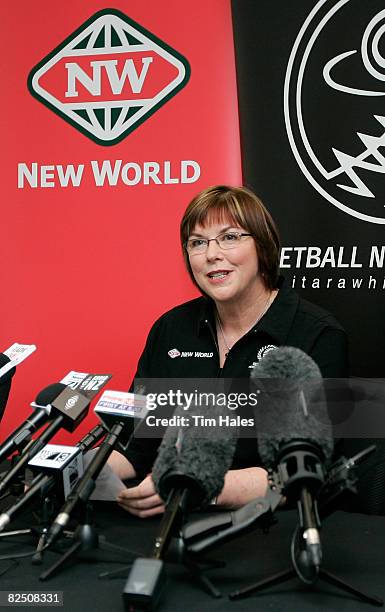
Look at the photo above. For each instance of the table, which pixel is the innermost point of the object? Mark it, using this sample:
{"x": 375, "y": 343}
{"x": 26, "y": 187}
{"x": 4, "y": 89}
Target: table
{"x": 353, "y": 548}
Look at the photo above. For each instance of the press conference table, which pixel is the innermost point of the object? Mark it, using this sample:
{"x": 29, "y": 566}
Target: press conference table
{"x": 353, "y": 547}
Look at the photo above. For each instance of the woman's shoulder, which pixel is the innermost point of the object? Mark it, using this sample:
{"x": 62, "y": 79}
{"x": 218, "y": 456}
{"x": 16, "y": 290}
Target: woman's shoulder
{"x": 305, "y": 312}
{"x": 317, "y": 315}
{"x": 192, "y": 310}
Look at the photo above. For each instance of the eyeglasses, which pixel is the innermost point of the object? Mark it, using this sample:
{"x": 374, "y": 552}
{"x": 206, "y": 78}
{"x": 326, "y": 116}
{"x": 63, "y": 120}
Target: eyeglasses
{"x": 225, "y": 241}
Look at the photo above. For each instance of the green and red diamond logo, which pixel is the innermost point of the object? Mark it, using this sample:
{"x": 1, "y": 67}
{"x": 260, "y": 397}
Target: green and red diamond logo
{"x": 108, "y": 77}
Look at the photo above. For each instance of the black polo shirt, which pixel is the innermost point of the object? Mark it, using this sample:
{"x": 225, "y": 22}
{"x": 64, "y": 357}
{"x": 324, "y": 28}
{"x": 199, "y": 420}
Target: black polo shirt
{"x": 183, "y": 344}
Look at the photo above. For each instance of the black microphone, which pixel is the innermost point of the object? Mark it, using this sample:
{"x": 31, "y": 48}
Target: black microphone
{"x": 41, "y": 414}
{"x": 45, "y": 481}
{"x": 295, "y": 436}
{"x": 188, "y": 473}
{"x": 85, "y": 485}
{"x": 68, "y": 410}
{"x": 194, "y": 460}
{"x": 118, "y": 406}
{"x": 291, "y": 404}
{"x": 5, "y": 383}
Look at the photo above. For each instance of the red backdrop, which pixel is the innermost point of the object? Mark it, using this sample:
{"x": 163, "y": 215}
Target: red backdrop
{"x": 87, "y": 269}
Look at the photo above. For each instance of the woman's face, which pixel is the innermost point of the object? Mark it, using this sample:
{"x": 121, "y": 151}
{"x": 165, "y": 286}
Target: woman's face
{"x": 229, "y": 275}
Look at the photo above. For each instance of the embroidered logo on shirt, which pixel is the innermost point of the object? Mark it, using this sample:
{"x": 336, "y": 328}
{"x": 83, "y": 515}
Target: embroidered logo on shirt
{"x": 261, "y": 353}
{"x": 195, "y": 354}
{"x": 264, "y": 350}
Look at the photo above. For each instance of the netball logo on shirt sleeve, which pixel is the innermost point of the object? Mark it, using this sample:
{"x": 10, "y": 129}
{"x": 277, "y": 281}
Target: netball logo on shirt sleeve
{"x": 261, "y": 353}
{"x": 108, "y": 77}
{"x": 334, "y": 97}
{"x": 173, "y": 353}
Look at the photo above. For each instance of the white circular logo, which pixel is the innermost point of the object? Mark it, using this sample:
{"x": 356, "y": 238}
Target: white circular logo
{"x": 70, "y": 403}
{"x": 334, "y": 105}
{"x": 264, "y": 350}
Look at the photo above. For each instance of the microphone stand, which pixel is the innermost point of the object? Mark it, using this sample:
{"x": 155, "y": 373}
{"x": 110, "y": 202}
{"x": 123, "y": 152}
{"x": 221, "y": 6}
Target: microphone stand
{"x": 43, "y": 483}
{"x": 85, "y": 537}
{"x": 87, "y": 545}
{"x": 172, "y": 522}
{"x": 30, "y": 450}
{"x": 302, "y": 559}
{"x": 44, "y": 517}
{"x": 147, "y": 578}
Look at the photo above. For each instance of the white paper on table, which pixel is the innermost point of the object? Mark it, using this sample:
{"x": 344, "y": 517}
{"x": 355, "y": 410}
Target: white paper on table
{"x": 108, "y": 484}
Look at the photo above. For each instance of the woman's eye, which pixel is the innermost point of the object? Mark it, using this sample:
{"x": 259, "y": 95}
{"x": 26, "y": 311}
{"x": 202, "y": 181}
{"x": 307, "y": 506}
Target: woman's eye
{"x": 230, "y": 237}
{"x": 196, "y": 243}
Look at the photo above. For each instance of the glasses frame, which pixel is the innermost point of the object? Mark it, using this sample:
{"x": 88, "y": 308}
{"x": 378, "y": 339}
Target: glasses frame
{"x": 208, "y": 240}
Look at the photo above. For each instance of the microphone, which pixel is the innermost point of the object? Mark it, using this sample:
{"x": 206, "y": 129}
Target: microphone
{"x": 295, "y": 437}
{"x": 119, "y": 413}
{"x": 291, "y": 404}
{"x": 115, "y": 406}
{"x": 20, "y": 436}
{"x": 5, "y": 382}
{"x": 188, "y": 472}
{"x": 14, "y": 355}
{"x": 45, "y": 481}
{"x": 192, "y": 460}
{"x": 69, "y": 408}
{"x": 193, "y": 463}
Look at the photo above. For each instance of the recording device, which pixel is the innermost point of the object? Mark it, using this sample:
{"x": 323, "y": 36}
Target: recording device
{"x": 46, "y": 482}
{"x": 68, "y": 409}
{"x": 5, "y": 383}
{"x": 41, "y": 415}
{"x": 188, "y": 473}
{"x": 121, "y": 414}
{"x": 295, "y": 438}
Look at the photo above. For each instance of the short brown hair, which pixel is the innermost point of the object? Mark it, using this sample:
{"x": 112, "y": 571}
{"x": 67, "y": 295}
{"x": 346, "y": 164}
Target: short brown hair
{"x": 246, "y": 210}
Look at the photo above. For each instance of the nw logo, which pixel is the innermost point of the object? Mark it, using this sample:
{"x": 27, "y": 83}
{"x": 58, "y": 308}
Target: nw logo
{"x": 108, "y": 77}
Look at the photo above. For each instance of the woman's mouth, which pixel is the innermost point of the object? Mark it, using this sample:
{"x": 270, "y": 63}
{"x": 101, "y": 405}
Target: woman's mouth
{"x": 218, "y": 275}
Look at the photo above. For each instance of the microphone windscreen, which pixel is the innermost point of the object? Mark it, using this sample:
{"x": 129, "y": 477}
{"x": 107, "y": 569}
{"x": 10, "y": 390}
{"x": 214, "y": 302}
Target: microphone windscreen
{"x": 291, "y": 403}
{"x": 195, "y": 458}
{"x": 49, "y": 393}
{"x": 288, "y": 364}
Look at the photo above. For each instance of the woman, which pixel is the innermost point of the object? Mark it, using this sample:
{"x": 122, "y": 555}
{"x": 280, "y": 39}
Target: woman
{"x": 231, "y": 249}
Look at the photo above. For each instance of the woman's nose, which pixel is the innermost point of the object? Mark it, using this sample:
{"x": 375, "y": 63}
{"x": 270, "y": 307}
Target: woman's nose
{"x": 213, "y": 250}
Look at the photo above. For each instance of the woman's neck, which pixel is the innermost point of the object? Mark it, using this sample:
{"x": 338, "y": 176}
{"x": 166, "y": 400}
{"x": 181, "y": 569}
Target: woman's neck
{"x": 239, "y": 317}
{"x": 233, "y": 322}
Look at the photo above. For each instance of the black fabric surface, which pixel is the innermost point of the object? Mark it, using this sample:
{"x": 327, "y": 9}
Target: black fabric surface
{"x": 353, "y": 546}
